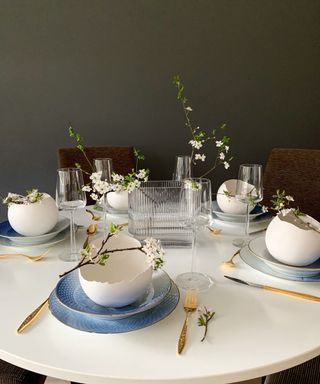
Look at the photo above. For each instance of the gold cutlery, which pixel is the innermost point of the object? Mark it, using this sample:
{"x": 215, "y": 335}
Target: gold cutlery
{"x": 29, "y": 319}
{"x": 31, "y": 258}
{"x": 93, "y": 216}
{"x": 274, "y": 289}
{"x": 230, "y": 263}
{"x": 35, "y": 314}
{"x": 190, "y": 305}
{"x": 215, "y": 231}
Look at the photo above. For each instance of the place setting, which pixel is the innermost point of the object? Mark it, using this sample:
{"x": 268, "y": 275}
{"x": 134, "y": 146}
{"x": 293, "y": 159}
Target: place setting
{"x": 33, "y": 222}
{"x": 289, "y": 250}
{"x": 229, "y": 210}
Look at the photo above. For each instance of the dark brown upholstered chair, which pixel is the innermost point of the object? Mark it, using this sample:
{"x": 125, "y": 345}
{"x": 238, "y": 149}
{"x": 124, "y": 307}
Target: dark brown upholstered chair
{"x": 297, "y": 171}
{"x": 10, "y": 374}
{"x": 306, "y": 373}
{"x": 123, "y": 159}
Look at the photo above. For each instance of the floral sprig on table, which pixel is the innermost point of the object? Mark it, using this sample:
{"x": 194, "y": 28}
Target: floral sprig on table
{"x": 119, "y": 182}
{"x": 91, "y": 255}
{"x": 205, "y": 315}
{"x": 33, "y": 196}
{"x": 199, "y": 137}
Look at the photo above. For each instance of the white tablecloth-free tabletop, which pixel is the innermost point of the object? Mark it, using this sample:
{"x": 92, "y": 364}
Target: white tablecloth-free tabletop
{"x": 254, "y": 332}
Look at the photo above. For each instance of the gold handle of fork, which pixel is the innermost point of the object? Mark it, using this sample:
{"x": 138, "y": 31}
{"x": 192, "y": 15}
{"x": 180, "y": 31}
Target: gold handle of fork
{"x": 33, "y": 315}
{"x": 183, "y": 334}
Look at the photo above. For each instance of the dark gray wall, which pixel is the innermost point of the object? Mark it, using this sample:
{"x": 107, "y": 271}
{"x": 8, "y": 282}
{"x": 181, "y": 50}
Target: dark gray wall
{"x": 107, "y": 67}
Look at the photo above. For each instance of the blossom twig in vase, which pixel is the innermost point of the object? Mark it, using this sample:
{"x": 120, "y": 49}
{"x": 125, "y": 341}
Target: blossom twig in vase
{"x": 91, "y": 255}
{"x": 198, "y": 137}
{"x": 205, "y": 316}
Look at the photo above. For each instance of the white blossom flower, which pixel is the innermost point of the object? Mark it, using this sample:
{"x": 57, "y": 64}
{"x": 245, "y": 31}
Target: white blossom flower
{"x": 219, "y": 143}
{"x": 94, "y": 196}
{"x": 289, "y": 198}
{"x": 188, "y": 109}
{"x": 96, "y": 176}
{"x": 222, "y": 156}
{"x": 86, "y": 188}
{"x": 226, "y": 148}
{"x": 153, "y": 249}
{"x": 264, "y": 209}
{"x": 226, "y": 165}
{"x": 199, "y": 157}
{"x": 142, "y": 174}
{"x": 117, "y": 178}
{"x": 197, "y": 144}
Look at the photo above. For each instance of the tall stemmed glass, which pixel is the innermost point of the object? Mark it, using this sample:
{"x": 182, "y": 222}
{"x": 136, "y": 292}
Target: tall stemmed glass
{"x": 69, "y": 197}
{"x": 249, "y": 190}
{"x": 182, "y": 168}
{"x": 194, "y": 215}
{"x": 105, "y": 166}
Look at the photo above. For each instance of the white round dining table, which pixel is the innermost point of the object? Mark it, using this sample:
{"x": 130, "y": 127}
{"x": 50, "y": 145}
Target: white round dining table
{"x": 253, "y": 332}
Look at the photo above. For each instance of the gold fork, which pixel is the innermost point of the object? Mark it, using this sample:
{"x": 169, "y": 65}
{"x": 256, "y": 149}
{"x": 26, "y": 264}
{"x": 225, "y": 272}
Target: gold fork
{"x": 190, "y": 305}
{"x": 230, "y": 263}
{"x": 31, "y": 258}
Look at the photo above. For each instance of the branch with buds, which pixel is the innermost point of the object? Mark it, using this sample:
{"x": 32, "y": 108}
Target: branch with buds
{"x": 91, "y": 255}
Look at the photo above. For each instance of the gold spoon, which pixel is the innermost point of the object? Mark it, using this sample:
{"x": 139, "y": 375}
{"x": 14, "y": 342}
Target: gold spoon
{"x": 215, "y": 231}
{"x": 92, "y": 229}
{"x": 31, "y": 258}
{"x": 230, "y": 263}
{"x": 93, "y": 216}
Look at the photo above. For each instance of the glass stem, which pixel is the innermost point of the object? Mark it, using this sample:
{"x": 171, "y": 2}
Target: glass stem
{"x": 193, "y": 248}
{"x": 105, "y": 215}
{"x": 73, "y": 245}
{"x": 246, "y": 233}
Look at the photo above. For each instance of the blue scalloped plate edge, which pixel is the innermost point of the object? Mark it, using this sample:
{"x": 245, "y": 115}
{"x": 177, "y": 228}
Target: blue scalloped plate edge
{"x": 89, "y": 323}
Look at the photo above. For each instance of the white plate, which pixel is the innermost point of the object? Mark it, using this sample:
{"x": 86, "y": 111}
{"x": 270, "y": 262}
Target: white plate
{"x": 237, "y": 228}
{"x": 57, "y": 239}
{"x": 258, "y": 249}
{"x": 234, "y": 217}
{"x": 15, "y": 238}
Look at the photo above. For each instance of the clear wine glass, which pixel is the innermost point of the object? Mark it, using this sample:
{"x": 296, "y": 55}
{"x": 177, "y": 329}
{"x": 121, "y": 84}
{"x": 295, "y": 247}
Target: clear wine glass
{"x": 195, "y": 215}
{"x": 249, "y": 190}
{"x": 105, "y": 166}
{"x": 182, "y": 169}
{"x": 69, "y": 197}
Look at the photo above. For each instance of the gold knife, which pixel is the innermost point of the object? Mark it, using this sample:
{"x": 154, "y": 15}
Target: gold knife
{"x": 28, "y": 320}
{"x": 274, "y": 289}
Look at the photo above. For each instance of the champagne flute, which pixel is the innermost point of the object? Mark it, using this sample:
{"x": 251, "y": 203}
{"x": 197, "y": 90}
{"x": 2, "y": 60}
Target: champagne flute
{"x": 105, "y": 166}
{"x": 249, "y": 190}
{"x": 182, "y": 168}
{"x": 69, "y": 197}
{"x": 194, "y": 215}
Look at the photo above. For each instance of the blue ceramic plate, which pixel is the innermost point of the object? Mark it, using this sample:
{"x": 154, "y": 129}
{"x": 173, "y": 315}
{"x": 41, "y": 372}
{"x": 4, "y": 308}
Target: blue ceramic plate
{"x": 249, "y": 258}
{"x": 70, "y": 294}
{"x": 9, "y": 233}
{"x": 89, "y": 323}
{"x": 259, "y": 249}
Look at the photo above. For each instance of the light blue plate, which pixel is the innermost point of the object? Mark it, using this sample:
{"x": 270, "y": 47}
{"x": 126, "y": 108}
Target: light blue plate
{"x": 249, "y": 258}
{"x": 7, "y": 232}
{"x": 89, "y": 323}
{"x": 70, "y": 294}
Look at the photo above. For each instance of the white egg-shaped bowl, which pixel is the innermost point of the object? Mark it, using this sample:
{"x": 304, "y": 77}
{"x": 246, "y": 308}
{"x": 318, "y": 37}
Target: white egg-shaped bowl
{"x": 123, "y": 279}
{"x": 34, "y": 219}
{"x": 118, "y": 200}
{"x": 230, "y": 204}
{"x": 290, "y": 244}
